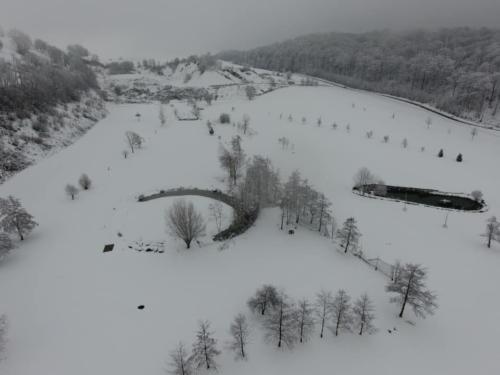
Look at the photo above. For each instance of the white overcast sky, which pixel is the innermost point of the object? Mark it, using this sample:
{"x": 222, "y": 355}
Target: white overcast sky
{"x": 164, "y": 29}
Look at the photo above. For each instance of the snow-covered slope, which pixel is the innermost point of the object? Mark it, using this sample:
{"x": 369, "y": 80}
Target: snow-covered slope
{"x": 223, "y": 80}
{"x": 73, "y": 309}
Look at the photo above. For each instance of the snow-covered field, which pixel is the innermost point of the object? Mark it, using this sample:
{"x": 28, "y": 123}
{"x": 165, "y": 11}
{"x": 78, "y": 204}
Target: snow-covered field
{"x": 73, "y": 309}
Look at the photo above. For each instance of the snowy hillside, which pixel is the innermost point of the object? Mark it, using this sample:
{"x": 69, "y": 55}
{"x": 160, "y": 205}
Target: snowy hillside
{"x": 48, "y": 98}
{"x": 187, "y": 79}
{"x": 73, "y": 309}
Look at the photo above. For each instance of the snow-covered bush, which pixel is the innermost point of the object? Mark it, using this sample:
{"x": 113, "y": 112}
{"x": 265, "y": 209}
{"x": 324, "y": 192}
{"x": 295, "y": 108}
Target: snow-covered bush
{"x": 85, "y": 182}
{"x": 224, "y": 118}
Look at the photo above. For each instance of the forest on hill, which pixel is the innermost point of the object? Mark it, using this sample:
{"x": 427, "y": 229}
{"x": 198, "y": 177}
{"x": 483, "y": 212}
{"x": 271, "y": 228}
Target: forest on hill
{"x": 456, "y": 70}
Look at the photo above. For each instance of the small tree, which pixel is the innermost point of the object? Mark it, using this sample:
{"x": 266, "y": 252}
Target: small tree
{"x": 180, "y": 363}
{"x": 85, "y": 182}
{"x": 363, "y": 178}
{"x": 473, "y": 132}
{"x": 477, "y": 195}
{"x": 162, "y": 117}
{"x": 440, "y": 153}
{"x": 71, "y": 190}
{"x": 492, "y": 230}
{"x": 250, "y": 91}
{"x": 264, "y": 299}
{"x": 349, "y": 235}
{"x": 363, "y": 314}
{"x": 240, "y": 332}
{"x": 14, "y": 218}
{"x": 185, "y": 222}
{"x": 410, "y": 289}
{"x": 323, "y": 308}
{"x": 341, "y": 312}
{"x": 280, "y": 323}
{"x": 205, "y": 348}
{"x": 305, "y": 319}
{"x": 134, "y": 140}
{"x": 6, "y": 245}
{"x": 459, "y": 158}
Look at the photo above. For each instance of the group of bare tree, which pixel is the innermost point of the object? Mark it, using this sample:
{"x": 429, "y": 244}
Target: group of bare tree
{"x": 85, "y": 183}
{"x": 302, "y": 204}
{"x": 205, "y": 350}
{"x": 202, "y": 356}
{"x": 14, "y": 219}
{"x": 41, "y": 76}
{"x": 233, "y": 160}
{"x": 287, "y": 322}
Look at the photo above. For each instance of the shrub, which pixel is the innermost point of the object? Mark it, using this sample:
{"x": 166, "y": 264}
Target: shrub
{"x": 459, "y": 158}
{"x": 224, "y": 118}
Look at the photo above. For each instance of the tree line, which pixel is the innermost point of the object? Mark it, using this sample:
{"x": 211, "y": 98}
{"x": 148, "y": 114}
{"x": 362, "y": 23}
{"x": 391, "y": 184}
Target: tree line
{"x": 41, "y": 76}
{"x": 456, "y": 70}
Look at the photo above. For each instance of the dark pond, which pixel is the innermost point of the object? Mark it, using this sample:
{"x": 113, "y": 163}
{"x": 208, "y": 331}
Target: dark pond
{"x": 423, "y": 196}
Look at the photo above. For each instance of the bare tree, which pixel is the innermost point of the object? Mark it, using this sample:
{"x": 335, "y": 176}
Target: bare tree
{"x": 6, "y": 245}
{"x": 161, "y": 115}
{"x": 245, "y": 125}
{"x": 240, "y": 332}
{"x": 280, "y": 323}
{"x": 205, "y": 348}
{"x": 305, "y": 319}
{"x": 265, "y": 298}
{"x": 3, "y": 335}
{"x": 134, "y": 140}
{"x": 180, "y": 363}
{"x": 341, "y": 312}
{"x": 349, "y": 235}
{"x": 71, "y": 190}
{"x": 85, "y": 182}
{"x": 492, "y": 230}
{"x": 185, "y": 222}
{"x": 362, "y": 179}
{"x": 217, "y": 213}
{"x": 473, "y": 132}
{"x": 14, "y": 218}
{"x": 363, "y": 314}
{"x": 323, "y": 307}
{"x": 410, "y": 289}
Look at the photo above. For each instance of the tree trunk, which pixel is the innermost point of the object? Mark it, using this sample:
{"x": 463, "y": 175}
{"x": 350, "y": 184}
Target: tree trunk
{"x": 406, "y": 296}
